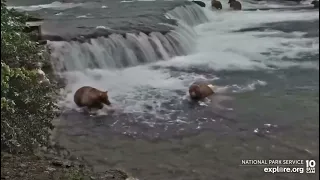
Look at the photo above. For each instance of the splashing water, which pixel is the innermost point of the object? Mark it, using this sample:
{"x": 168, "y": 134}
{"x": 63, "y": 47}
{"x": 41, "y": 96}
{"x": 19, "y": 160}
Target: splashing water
{"x": 148, "y": 75}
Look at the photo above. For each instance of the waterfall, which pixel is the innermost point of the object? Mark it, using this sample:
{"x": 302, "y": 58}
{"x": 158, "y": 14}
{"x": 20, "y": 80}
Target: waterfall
{"x": 130, "y": 49}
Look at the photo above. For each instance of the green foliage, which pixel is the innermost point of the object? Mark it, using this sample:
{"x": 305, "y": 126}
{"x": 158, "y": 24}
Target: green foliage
{"x": 17, "y": 49}
{"x": 27, "y": 104}
{"x": 75, "y": 175}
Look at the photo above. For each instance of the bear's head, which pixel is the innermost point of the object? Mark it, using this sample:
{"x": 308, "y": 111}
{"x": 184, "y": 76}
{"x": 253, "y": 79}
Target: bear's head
{"x": 194, "y": 92}
{"x": 103, "y": 96}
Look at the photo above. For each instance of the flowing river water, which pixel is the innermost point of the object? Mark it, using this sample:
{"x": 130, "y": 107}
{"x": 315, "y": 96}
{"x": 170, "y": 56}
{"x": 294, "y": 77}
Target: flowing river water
{"x": 147, "y": 53}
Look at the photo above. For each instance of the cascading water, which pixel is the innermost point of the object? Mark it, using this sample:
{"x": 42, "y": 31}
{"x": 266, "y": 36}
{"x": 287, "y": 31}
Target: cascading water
{"x": 119, "y": 51}
{"x": 268, "y": 61}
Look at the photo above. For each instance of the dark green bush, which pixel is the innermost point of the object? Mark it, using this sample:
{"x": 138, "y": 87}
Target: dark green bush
{"x": 27, "y": 105}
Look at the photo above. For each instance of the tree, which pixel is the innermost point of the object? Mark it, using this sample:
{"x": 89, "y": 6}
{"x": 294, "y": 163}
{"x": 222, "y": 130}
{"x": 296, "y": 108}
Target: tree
{"x": 27, "y": 104}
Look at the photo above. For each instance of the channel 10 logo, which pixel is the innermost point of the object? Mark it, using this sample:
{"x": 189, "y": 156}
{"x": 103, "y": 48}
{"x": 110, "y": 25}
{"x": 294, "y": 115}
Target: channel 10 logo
{"x": 310, "y": 166}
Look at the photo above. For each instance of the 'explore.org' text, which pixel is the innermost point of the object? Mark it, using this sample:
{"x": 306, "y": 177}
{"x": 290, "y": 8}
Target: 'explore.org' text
{"x": 280, "y": 169}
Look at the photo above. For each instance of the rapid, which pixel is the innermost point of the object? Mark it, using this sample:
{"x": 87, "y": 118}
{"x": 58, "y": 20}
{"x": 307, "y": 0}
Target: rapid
{"x": 265, "y": 64}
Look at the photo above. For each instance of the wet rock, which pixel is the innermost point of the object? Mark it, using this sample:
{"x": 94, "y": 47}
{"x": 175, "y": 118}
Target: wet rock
{"x": 200, "y": 3}
{"x": 131, "y": 178}
{"x": 21, "y": 174}
{"x": 49, "y": 156}
{"x": 64, "y": 153}
{"x": 57, "y": 163}
{"x": 50, "y": 169}
{"x": 67, "y": 164}
{"x": 53, "y": 152}
{"x": 73, "y": 158}
{"x": 114, "y": 174}
{"x": 45, "y": 149}
{"x": 22, "y": 165}
{"x": 37, "y": 157}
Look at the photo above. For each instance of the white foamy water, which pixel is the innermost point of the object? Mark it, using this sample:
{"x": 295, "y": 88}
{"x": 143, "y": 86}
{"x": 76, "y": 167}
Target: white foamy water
{"x": 221, "y": 49}
{"x": 217, "y": 48}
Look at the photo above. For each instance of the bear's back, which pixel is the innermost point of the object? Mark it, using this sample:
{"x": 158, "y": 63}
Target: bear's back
{"x": 236, "y": 5}
{"x": 205, "y": 90}
{"x": 86, "y": 95}
{"x": 216, "y": 4}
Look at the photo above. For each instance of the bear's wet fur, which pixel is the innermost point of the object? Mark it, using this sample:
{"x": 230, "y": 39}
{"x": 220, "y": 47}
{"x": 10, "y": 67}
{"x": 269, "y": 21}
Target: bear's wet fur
{"x": 91, "y": 97}
{"x": 235, "y": 5}
{"x": 216, "y": 4}
{"x": 315, "y": 4}
{"x": 200, "y": 90}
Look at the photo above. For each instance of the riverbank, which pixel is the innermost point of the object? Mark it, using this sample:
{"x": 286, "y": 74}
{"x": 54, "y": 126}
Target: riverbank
{"x": 46, "y": 166}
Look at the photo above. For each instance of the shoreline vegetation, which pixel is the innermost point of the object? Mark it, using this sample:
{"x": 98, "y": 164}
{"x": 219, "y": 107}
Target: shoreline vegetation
{"x": 28, "y": 107}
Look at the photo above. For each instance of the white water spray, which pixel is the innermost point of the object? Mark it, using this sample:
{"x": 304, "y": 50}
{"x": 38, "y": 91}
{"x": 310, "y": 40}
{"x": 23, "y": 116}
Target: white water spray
{"x": 217, "y": 48}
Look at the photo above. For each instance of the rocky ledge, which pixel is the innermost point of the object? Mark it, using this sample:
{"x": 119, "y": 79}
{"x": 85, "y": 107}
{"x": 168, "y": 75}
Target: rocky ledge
{"x": 50, "y": 166}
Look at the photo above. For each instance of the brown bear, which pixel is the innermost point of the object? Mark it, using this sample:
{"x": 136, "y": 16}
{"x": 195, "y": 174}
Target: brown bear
{"x": 315, "y": 4}
{"x": 200, "y": 90}
{"x": 91, "y": 97}
{"x": 235, "y": 5}
{"x": 216, "y": 4}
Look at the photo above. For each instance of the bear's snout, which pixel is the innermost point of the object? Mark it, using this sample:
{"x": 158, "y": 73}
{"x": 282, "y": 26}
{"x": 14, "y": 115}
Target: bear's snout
{"x": 108, "y": 102}
{"x": 193, "y": 94}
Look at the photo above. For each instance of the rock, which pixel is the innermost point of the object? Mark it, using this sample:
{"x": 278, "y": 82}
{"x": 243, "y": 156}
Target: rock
{"x": 200, "y": 3}
{"x": 45, "y": 149}
{"x": 73, "y": 158}
{"x": 61, "y": 163}
{"x": 37, "y": 156}
{"x": 51, "y": 169}
{"x": 67, "y": 164}
{"x": 57, "y": 163}
{"x": 114, "y": 174}
{"x": 5, "y": 155}
{"x": 65, "y": 153}
{"x": 22, "y": 165}
{"x": 52, "y": 152}
{"x": 131, "y": 178}
{"x": 21, "y": 174}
